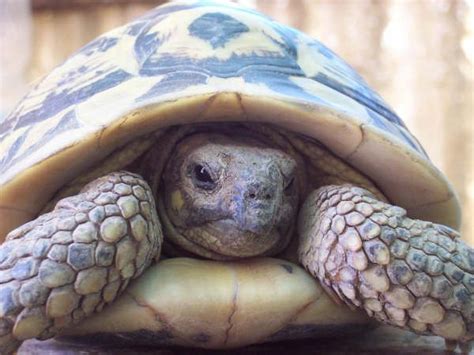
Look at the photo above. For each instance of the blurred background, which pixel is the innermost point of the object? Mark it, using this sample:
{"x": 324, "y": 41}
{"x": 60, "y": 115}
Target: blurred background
{"x": 418, "y": 54}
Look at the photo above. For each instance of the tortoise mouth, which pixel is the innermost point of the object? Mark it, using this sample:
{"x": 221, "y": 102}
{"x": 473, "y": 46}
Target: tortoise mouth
{"x": 224, "y": 238}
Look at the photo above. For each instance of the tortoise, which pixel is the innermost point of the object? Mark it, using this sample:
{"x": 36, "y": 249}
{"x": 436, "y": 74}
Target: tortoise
{"x": 276, "y": 195}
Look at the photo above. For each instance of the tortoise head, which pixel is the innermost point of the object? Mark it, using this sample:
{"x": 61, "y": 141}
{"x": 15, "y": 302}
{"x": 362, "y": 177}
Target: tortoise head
{"x": 225, "y": 197}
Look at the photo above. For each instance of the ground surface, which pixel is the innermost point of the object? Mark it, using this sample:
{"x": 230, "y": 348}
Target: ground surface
{"x": 383, "y": 340}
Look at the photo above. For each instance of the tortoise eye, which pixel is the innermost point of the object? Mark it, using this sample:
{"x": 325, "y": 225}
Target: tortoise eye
{"x": 202, "y": 177}
{"x": 289, "y": 186}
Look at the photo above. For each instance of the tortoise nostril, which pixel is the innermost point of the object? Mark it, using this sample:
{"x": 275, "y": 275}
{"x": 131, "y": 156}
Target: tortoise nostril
{"x": 259, "y": 192}
{"x": 254, "y": 195}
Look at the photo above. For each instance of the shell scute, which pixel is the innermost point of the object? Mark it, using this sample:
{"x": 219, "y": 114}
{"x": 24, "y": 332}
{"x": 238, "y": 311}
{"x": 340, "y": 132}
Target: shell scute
{"x": 185, "y": 53}
{"x": 217, "y": 28}
{"x": 272, "y": 63}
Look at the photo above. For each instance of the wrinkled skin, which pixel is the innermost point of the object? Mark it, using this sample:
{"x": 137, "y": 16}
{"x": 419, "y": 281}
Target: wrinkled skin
{"x": 224, "y": 197}
{"x": 232, "y": 198}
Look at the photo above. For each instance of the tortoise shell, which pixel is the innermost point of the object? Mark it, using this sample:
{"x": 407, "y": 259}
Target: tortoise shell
{"x": 201, "y": 61}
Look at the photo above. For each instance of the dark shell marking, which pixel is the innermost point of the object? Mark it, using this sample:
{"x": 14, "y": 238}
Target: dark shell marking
{"x": 217, "y": 28}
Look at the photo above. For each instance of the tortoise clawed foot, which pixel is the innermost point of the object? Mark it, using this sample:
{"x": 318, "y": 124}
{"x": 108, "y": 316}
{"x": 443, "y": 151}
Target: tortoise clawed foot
{"x": 408, "y": 273}
{"x": 69, "y": 263}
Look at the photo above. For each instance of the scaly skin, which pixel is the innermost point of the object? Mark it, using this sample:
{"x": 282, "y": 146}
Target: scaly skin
{"x": 408, "y": 273}
{"x": 246, "y": 206}
{"x": 69, "y": 263}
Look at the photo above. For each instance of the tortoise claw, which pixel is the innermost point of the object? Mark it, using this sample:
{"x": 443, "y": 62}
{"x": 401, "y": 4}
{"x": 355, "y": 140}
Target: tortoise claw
{"x": 464, "y": 347}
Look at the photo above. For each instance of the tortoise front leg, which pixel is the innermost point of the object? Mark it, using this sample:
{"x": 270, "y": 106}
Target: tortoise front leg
{"x": 409, "y": 273}
{"x": 69, "y": 263}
